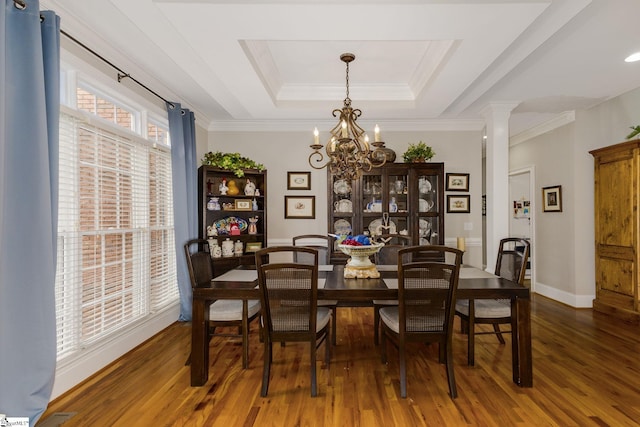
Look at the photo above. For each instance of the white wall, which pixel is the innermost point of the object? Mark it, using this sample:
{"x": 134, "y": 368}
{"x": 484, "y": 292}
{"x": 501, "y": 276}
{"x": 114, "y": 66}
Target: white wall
{"x": 565, "y": 253}
{"x": 554, "y": 230}
{"x": 280, "y": 152}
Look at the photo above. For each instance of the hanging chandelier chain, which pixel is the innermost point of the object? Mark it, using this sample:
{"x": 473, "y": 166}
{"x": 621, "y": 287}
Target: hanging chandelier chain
{"x": 347, "y": 79}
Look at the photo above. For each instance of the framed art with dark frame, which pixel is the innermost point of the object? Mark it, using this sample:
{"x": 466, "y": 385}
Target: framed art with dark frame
{"x": 457, "y": 182}
{"x": 298, "y": 180}
{"x": 552, "y": 198}
{"x": 300, "y": 207}
{"x": 458, "y": 204}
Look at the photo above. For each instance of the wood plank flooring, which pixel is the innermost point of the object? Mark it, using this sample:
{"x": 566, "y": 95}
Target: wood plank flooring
{"x": 586, "y": 373}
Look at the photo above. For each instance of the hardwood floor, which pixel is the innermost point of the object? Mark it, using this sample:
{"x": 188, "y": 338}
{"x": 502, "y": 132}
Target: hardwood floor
{"x": 586, "y": 372}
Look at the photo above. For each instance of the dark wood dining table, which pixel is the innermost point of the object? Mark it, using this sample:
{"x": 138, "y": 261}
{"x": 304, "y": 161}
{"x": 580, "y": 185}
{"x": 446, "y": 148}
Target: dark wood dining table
{"x": 336, "y": 287}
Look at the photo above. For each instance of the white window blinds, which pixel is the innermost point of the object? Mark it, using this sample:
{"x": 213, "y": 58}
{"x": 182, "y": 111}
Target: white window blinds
{"x": 116, "y": 256}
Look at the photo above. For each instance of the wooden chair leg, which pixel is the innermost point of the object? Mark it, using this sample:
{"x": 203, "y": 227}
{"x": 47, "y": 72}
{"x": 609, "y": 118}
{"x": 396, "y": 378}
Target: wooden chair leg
{"x": 334, "y": 325}
{"x": 464, "y": 326}
{"x": 376, "y": 325}
{"x": 327, "y": 348}
{"x": 453, "y": 391}
{"x": 266, "y": 368}
{"x": 496, "y": 329}
{"x": 403, "y": 371}
{"x": 383, "y": 345}
{"x": 245, "y": 335}
{"x": 314, "y": 384}
{"x": 471, "y": 335}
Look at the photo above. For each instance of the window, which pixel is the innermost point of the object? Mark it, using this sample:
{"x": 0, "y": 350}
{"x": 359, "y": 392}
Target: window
{"x": 92, "y": 101}
{"x": 116, "y": 250}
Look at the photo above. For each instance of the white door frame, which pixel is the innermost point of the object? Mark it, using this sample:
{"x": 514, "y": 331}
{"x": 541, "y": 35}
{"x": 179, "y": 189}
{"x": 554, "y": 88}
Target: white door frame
{"x": 531, "y": 170}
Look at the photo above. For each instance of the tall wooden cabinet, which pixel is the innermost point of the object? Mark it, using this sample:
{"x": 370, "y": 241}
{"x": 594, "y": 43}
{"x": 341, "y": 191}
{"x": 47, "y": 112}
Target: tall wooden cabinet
{"x": 617, "y": 218}
{"x": 222, "y": 211}
{"x": 396, "y": 198}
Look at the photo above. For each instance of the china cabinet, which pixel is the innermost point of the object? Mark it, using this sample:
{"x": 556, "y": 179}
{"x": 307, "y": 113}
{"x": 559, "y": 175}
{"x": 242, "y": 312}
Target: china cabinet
{"x": 232, "y": 214}
{"x": 617, "y": 215}
{"x": 397, "y": 198}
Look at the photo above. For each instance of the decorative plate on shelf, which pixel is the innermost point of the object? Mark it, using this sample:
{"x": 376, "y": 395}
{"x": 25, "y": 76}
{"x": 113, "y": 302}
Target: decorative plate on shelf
{"x": 424, "y": 206}
{"x": 223, "y": 225}
{"x": 342, "y": 226}
{"x": 341, "y": 186}
{"x": 376, "y": 227}
{"x": 424, "y": 186}
{"x": 343, "y": 205}
{"x": 425, "y": 228}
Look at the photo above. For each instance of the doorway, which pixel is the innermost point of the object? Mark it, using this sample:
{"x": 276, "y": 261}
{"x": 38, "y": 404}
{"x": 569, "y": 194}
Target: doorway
{"x": 522, "y": 211}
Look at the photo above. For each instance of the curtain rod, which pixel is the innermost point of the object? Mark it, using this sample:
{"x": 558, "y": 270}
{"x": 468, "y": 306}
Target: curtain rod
{"x": 121, "y": 74}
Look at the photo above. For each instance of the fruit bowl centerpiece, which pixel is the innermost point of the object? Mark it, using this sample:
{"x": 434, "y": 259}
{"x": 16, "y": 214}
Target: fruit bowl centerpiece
{"x": 359, "y": 265}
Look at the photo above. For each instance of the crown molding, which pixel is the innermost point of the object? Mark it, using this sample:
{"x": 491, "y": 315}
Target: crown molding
{"x": 551, "y": 124}
{"x": 308, "y": 125}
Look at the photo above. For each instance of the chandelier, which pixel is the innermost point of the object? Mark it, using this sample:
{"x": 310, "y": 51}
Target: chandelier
{"x": 348, "y": 151}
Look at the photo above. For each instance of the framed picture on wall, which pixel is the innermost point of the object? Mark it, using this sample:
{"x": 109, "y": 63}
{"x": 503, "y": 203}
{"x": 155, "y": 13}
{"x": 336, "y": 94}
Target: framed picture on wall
{"x": 298, "y": 180}
{"x": 301, "y": 207}
{"x": 457, "y": 182}
{"x": 552, "y": 199}
{"x": 458, "y": 204}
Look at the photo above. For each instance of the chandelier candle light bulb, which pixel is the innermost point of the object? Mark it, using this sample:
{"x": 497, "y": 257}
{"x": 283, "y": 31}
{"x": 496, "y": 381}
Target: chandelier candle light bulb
{"x": 316, "y": 136}
{"x": 376, "y": 135}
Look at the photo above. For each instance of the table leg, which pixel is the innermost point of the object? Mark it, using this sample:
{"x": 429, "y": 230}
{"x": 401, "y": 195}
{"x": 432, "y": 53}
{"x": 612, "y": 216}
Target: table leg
{"x": 521, "y": 352}
{"x": 199, "y": 342}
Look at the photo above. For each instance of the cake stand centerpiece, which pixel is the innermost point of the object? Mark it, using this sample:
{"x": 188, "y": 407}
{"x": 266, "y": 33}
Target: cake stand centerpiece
{"x": 359, "y": 265}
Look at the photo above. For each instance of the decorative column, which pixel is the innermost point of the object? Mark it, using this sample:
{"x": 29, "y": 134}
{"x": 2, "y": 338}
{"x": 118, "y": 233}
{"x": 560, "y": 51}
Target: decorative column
{"x": 496, "y": 117}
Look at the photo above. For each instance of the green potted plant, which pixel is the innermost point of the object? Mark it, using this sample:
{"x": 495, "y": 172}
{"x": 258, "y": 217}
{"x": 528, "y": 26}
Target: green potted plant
{"x": 636, "y": 131}
{"x": 234, "y": 162}
{"x": 418, "y": 153}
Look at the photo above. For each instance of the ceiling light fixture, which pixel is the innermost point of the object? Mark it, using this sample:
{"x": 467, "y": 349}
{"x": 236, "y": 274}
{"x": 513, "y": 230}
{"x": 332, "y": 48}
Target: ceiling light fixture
{"x": 348, "y": 149}
{"x": 633, "y": 57}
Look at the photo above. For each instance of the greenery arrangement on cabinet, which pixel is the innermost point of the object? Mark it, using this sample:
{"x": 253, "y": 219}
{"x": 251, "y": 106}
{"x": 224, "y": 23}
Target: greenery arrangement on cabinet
{"x": 233, "y": 162}
{"x": 636, "y": 131}
{"x": 418, "y": 153}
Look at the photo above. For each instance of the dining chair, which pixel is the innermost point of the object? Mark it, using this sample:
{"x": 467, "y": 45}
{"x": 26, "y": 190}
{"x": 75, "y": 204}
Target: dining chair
{"x": 426, "y": 300}
{"x": 289, "y": 297}
{"x": 222, "y": 313}
{"x": 311, "y": 241}
{"x": 387, "y": 255}
{"x": 513, "y": 255}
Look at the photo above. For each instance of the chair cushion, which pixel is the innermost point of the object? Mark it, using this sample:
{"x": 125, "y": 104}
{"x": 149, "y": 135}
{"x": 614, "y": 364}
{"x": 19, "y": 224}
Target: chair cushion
{"x": 231, "y": 309}
{"x": 487, "y": 308}
{"x": 390, "y": 316}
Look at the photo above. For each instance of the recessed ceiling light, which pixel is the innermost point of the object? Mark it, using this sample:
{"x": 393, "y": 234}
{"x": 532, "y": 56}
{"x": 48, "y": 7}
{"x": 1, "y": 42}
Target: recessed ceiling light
{"x": 633, "y": 57}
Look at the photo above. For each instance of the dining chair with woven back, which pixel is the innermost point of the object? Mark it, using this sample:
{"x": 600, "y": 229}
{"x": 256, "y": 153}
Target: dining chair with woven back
{"x": 321, "y": 244}
{"x": 511, "y": 264}
{"x": 289, "y": 297}
{"x": 387, "y": 255}
{"x": 425, "y": 310}
{"x": 222, "y": 313}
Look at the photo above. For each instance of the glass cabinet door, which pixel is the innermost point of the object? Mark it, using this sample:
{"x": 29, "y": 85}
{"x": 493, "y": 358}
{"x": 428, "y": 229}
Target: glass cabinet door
{"x": 398, "y": 202}
{"x": 342, "y": 209}
{"x": 428, "y": 209}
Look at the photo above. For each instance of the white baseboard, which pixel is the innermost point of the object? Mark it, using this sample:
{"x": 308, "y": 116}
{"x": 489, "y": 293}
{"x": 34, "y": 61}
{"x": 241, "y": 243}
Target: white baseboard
{"x": 576, "y": 301}
{"x": 72, "y": 372}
